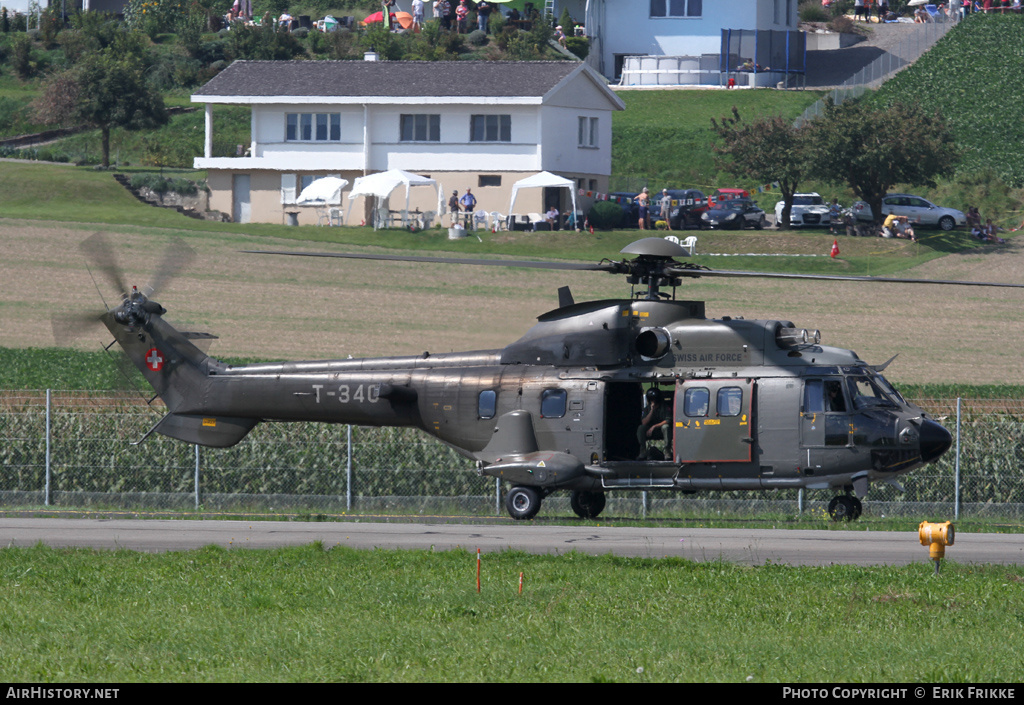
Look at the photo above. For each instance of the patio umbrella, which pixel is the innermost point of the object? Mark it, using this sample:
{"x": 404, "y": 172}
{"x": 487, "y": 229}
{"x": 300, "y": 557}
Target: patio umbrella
{"x": 322, "y": 190}
{"x": 404, "y": 19}
{"x": 914, "y": 3}
{"x": 375, "y": 17}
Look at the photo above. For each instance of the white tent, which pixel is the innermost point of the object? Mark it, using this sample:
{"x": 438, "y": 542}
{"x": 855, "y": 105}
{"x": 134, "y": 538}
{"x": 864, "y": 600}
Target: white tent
{"x": 381, "y": 184}
{"x": 542, "y": 180}
{"x": 322, "y": 191}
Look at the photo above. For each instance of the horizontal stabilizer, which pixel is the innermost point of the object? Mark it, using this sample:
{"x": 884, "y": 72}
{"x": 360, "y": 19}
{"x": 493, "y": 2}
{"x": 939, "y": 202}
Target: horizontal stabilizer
{"x": 212, "y": 431}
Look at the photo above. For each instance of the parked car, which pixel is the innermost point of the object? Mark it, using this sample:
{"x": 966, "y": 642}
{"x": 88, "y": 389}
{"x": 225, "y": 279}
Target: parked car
{"x": 631, "y": 211}
{"x": 737, "y": 213}
{"x": 687, "y": 206}
{"x": 726, "y": 194}
{"x": 808, "y": 209}
{"x": 918, "y": 210}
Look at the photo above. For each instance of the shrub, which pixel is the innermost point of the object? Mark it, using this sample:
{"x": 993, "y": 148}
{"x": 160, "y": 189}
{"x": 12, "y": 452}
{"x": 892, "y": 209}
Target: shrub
{"x": 842, "y": 24}
{"x": 605, "y": 215}
{"x": 812, "y": 11}
{"x": 580, "y": 46}
{"x": 477, "y": 38}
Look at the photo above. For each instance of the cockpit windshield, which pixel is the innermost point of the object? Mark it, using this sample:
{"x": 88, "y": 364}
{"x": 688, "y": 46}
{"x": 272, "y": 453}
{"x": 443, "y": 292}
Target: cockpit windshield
{"x": 865, "y": 393}
{"x": 889, "y": 390}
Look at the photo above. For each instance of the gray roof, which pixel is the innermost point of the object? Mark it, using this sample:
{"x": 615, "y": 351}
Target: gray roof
{"x": 389, "y": 79}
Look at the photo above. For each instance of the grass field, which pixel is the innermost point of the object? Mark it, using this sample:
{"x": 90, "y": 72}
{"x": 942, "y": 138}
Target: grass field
{"x": 320, "y": 613}
{"x": 315, "y": 308}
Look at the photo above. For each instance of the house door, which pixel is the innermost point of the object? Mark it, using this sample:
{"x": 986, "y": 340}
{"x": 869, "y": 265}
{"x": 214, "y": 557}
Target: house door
{"x": 240, "y": 198}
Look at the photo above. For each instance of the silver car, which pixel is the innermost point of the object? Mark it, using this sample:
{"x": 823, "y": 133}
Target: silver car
{"x": 917, "y": 210}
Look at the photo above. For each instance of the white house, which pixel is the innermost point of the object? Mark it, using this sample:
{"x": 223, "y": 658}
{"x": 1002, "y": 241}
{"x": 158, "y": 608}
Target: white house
{"x": 623, "y": 28}
{"x": 465, "y": 124}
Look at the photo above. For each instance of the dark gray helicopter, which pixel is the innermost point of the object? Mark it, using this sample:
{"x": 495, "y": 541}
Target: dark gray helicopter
{"x": 738, "y": 404}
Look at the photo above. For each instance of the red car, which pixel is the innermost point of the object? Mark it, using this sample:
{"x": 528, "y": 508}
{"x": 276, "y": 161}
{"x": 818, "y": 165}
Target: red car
{"x": 726, "y": 194}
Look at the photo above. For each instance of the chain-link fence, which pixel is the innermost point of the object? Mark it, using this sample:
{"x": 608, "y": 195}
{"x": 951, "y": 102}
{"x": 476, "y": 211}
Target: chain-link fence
{"x": 80, "y": 449}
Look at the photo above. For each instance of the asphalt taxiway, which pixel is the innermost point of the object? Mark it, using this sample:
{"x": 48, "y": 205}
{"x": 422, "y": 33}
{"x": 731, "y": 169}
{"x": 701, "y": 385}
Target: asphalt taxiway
{"x": 742, "y": 546}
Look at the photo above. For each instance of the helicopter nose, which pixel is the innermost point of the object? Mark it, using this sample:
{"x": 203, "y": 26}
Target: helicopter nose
{"x": 935, "y": 440}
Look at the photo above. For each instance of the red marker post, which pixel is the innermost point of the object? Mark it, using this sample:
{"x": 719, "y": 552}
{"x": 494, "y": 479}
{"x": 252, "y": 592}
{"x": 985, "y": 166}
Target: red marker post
{"x": 478, "y": 570}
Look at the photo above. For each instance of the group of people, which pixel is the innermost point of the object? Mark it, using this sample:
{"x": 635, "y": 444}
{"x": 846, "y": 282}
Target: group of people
{"x": 987, "y": 231}
{"x": 465, "y": 204}
{"x": 455, "y": 15}
{"x": 952, "y": 10}
{"x": 644, "y": 208}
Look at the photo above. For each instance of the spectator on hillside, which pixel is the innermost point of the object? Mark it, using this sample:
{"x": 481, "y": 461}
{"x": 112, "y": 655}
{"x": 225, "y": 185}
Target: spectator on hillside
{"x": 990, "y": 231}
{"x": 461, "y": 13}
{"x": 483, "y": 16}
{"x": 973, "y": 217}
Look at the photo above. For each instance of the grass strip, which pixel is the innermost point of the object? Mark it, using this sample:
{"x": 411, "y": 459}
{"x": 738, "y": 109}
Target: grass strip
{"x": 319, "y": 613}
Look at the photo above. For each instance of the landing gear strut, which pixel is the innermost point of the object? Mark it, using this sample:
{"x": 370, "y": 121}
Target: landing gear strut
{"x": 845, "y": 507}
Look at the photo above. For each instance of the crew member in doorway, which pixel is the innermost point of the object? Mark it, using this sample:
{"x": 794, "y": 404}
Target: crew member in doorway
{"x": 654, "y": 424}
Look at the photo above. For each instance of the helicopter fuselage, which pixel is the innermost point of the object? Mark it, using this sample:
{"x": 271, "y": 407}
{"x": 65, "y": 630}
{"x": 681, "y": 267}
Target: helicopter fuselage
{"x": 750, "y": 404}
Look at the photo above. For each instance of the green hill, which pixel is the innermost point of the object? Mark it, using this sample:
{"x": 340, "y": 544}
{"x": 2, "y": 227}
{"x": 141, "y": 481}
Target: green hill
{"x": 975, "y": 77}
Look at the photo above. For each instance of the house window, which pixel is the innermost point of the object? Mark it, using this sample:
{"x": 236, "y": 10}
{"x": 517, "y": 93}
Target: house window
{"x": 488, "y": 180}
{"x": 677, "y": 8}
{"x": 421, "y": 128}
{"x": 586, "y": 132}
{"x": 490, "y": 128}
{"x": 312, "y": 127}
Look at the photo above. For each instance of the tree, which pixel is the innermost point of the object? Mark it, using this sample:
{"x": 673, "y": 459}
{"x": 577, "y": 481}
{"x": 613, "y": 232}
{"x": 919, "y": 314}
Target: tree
{"x": 107, "y": 89}
{"x": 873, "y": 149}
{"x": 768, "y": 149}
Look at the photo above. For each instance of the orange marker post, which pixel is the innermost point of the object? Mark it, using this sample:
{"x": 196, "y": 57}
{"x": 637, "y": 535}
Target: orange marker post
{"x": 520, "y": 583}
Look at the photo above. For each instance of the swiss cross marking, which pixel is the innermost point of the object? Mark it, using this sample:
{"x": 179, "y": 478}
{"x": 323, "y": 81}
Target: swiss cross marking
{"x": 154, "y": 360}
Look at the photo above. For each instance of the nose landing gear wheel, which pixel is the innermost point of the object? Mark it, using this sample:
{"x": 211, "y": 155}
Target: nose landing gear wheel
{"x": 844, "y": 508}
{"x": 522, "y": 503}
{"x": 587, "y": 505}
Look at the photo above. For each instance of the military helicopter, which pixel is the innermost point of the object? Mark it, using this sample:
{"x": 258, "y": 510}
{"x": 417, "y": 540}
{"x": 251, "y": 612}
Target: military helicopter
{"x": 744, "y": 404}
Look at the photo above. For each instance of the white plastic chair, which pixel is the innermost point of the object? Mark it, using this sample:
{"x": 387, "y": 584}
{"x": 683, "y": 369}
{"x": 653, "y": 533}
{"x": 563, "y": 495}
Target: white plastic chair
{"x": 498, "y": 221}
{"x": 690, "y": 245}
{"x": 672, "y": 238}
{"x": 479, "y": 220}
{"x": 428, "y": 219}
{"x": 334, "y": 216}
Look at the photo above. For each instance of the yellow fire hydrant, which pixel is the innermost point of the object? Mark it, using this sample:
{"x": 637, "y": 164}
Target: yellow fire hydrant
{"x": 936, "y": 536}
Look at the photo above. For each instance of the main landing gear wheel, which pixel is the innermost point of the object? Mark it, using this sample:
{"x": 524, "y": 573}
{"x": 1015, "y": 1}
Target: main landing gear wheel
{"x": 587, "y": 505}
{"x": 522, "y": 502}
{"x": 845, "y": 507}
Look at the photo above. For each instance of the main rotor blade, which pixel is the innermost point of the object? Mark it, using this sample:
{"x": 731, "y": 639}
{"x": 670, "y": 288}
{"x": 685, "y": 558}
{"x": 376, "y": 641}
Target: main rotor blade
{"x": 579, "y": 266}
{"x": 98, "y": 251}
{"x": 681, "y": 272}
{"x": 176, "y": 258}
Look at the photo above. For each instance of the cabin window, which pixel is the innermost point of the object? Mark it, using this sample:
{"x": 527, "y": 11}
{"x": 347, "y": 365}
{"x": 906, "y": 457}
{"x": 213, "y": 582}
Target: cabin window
{"x": 695, "y": 402}
{"x": 823, "y": 395}
{"x": 487, "y": 404}
{"x": 730, "y": 401}
{"x": 552, "y": 403}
